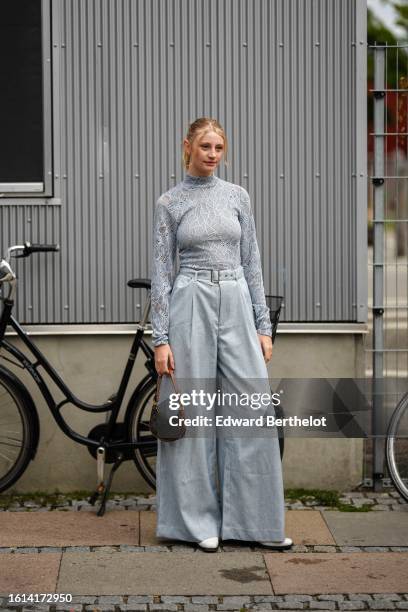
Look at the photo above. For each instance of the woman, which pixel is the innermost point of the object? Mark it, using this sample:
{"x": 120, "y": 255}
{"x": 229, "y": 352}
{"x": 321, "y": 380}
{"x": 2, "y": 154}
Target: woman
{"x": 210, "y": 322}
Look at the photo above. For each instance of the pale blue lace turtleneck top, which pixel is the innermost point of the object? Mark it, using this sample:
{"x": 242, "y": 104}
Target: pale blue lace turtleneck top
{"x": 209, "y": 223}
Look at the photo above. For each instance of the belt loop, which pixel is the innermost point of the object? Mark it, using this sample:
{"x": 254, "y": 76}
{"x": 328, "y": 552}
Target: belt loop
{"x": 195, "y": 275}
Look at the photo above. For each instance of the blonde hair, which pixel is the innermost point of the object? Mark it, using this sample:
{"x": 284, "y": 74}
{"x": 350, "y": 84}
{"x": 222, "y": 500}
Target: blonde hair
{"x": 203, "y": 125}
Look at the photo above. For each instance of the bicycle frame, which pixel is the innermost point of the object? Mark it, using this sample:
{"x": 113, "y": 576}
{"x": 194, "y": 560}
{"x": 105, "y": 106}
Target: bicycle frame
{"x": 112, "y": 405}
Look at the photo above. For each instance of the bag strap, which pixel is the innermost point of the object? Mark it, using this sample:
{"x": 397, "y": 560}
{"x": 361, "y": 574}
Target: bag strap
{"x": 159, "y": 379}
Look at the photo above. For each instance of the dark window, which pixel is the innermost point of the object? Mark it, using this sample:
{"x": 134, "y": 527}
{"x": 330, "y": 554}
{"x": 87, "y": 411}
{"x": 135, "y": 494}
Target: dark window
{"x": 21, "y": 99}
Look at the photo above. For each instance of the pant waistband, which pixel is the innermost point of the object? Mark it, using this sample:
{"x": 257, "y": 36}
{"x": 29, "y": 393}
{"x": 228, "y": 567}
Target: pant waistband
{"x": 213, "y": 275}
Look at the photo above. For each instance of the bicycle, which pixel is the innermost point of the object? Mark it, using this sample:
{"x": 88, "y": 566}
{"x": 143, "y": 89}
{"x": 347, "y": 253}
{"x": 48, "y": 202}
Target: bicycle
{"x": 396, "y": 447}
{"x": 108, "y": 442}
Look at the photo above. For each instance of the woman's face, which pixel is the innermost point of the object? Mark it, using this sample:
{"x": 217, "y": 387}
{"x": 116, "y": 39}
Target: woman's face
{"x": 205, "y": 153}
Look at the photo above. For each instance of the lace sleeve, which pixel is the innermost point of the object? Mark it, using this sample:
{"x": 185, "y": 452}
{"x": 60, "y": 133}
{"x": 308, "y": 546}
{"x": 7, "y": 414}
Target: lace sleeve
{"x": 162, "y": 277}
{"x": 251, "y": 262}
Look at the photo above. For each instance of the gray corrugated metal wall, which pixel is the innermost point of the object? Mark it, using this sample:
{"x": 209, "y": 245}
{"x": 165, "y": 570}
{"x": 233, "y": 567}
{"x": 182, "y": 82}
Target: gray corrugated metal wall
{"x": 286, "y": 78}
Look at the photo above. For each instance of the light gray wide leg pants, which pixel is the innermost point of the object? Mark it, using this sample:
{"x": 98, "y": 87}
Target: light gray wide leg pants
{"x": 214, "y": 485}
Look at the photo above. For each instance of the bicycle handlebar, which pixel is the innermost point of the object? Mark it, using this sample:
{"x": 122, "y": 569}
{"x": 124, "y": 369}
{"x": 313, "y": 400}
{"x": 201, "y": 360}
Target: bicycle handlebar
{"x": 29, "y": 248}
{"x": 6, "y": 273}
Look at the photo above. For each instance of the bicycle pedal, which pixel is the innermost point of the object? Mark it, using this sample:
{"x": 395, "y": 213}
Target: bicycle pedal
{"x": 100, "y": 466}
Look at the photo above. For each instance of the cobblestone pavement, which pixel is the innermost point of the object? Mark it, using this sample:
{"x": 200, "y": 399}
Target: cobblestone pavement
{"x": 192, "y": 548}
{"x": 174, "y": 603}
{"x": 380, "y": 501}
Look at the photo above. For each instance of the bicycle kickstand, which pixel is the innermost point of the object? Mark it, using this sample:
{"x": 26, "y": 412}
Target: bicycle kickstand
{"x": 100, "y": 470}
{"x": 105, "y": 494}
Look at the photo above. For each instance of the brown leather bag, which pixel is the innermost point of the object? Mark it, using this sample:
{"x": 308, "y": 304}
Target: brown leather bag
{"x": 159, "y": 424}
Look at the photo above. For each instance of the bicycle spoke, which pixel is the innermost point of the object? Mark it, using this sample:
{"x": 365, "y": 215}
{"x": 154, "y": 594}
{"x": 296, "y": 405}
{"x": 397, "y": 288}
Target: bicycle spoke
{"x": 8, "y": 459}
{"x": 9, "y": 444}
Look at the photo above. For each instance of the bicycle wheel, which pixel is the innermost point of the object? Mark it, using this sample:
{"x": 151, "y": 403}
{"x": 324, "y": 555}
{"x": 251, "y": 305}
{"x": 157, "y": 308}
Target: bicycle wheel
{"x": 397, "y": 447}
{"x": 138, "y": 420}
{"x": 18, "y": 430}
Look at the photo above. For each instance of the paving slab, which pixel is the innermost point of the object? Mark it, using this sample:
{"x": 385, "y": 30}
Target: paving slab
{"x": 148, "y": 521}
{"x": 321, "y": 573}
{"x": 368, "y": 528}
{"x": 29, "y": 573}
{"x": 69, "y": 528}
{"x": 303, "y": 527}
{"x": 168, "y": 574}
{"x": 307, "y": 527}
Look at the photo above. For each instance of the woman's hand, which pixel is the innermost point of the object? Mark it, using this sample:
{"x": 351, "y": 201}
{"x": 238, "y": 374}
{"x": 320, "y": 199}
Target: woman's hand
{"x": 266, "y": 346}
{"x": 163, "y": 359}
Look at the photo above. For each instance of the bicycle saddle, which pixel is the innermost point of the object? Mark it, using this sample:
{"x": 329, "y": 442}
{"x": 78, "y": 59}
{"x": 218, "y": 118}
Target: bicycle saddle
{"x": 143, "y": 283}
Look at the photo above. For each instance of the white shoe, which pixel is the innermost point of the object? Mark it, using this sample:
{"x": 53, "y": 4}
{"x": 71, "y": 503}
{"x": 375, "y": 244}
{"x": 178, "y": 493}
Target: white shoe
{"x": 209, "y": 545}
{"x": 283, "y": 545}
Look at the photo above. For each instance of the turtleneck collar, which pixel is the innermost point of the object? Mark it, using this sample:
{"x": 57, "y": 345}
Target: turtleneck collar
{"x": 199, "y": 181}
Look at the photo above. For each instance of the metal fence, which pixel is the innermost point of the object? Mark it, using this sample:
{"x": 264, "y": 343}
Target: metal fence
{"x": 386, "y": 344}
